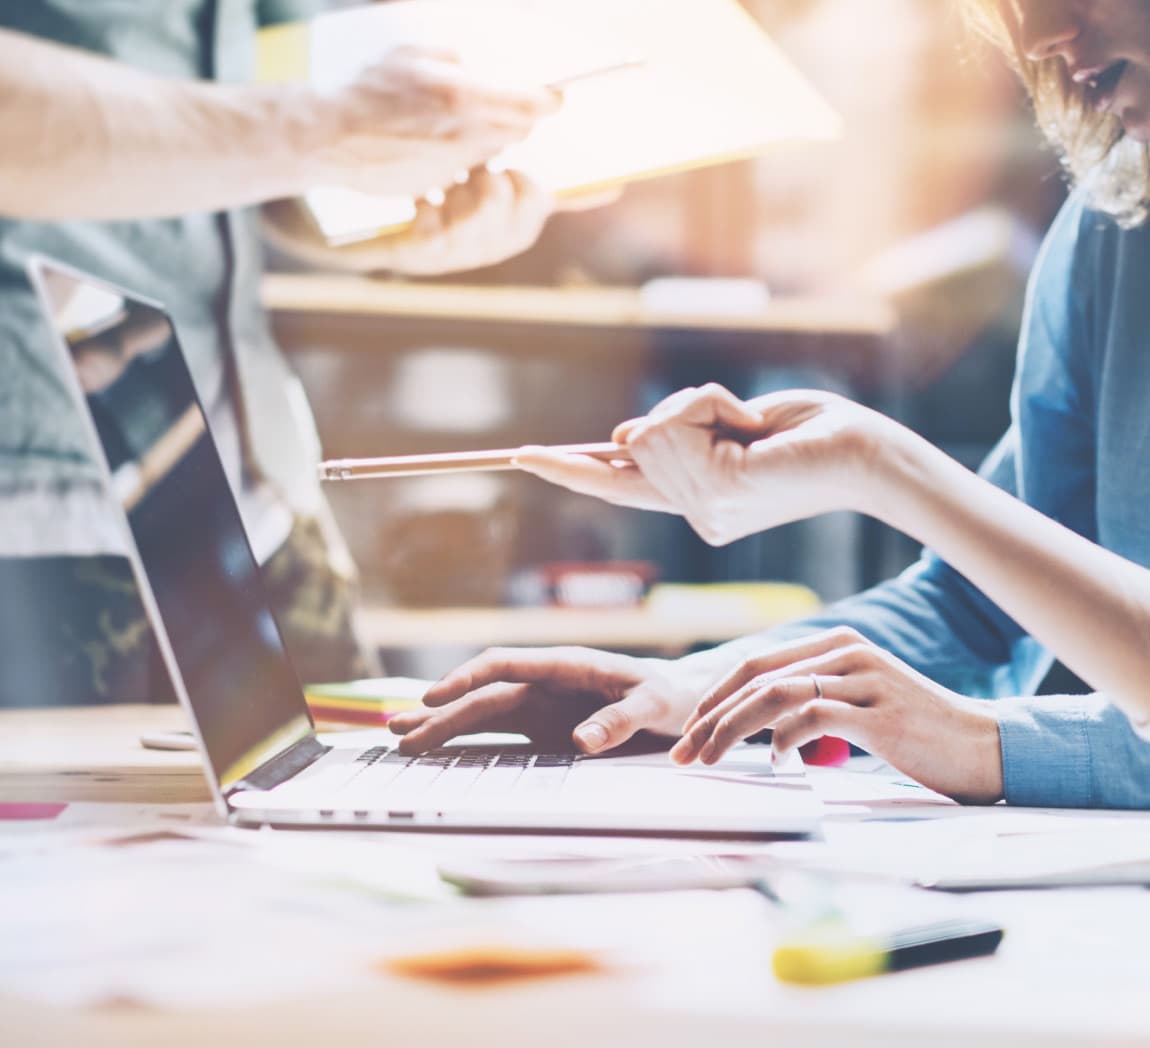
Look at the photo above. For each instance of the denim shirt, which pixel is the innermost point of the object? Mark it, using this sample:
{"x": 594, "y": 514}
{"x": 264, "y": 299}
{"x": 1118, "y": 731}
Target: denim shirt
{"x": 1078, "y": 450}
{"x": 204, "y": 267}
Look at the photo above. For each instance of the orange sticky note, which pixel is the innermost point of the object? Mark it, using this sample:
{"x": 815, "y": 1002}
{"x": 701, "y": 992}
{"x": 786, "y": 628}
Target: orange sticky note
{"x": 484, "y": 965}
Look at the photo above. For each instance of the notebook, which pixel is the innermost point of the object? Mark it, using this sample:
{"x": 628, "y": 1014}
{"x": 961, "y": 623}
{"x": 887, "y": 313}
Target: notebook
{"x": 685, "y": 83}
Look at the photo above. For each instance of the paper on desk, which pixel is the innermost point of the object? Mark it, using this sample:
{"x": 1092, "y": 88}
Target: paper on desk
{"x": 173, "y": 923}
{"x": 997, "y": 848}
{"x": 96, "y": 822}
{"x": 867, "y": 785}
{"x": 208, "y": 923}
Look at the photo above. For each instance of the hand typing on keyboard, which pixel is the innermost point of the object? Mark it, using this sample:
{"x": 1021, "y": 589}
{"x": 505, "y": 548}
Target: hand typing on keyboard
{"x": 557, "y": 697}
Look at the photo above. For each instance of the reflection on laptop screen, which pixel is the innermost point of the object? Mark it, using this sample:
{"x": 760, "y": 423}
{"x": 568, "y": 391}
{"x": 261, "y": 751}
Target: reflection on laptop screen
{"x": 167, "y": 476}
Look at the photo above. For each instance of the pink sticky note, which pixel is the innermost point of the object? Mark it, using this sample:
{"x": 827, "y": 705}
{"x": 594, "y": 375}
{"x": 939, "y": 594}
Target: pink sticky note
{"x": 10, "y": 811}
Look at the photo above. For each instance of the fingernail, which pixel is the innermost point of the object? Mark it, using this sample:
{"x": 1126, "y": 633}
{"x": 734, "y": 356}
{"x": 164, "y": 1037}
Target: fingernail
{"x": 592, "y": 736}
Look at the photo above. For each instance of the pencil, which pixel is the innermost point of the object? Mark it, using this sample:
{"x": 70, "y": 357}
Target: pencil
{"x": 629, "y": 62}
{"x": 453, "y": 462}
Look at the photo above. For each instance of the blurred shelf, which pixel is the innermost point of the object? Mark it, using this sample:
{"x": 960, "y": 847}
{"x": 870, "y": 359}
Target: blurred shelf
{"x": 671, "y": 621}
{"x": 292, "y": 294}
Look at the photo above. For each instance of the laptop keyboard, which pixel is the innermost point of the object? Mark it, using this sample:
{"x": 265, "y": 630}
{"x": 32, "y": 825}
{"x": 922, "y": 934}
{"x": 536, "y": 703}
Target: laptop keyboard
{"x": 441, "y": 775}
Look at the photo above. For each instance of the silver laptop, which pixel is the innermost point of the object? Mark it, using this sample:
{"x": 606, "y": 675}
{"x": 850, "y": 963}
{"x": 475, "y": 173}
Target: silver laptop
{"x": 215, "y": 629}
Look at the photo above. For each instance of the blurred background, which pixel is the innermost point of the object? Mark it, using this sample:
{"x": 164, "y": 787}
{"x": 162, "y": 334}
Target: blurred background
{"x": 889, "y": 265}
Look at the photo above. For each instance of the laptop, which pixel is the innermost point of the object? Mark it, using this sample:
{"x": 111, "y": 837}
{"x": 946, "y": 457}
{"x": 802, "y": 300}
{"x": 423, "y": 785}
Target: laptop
{"x": 202, "y": 589}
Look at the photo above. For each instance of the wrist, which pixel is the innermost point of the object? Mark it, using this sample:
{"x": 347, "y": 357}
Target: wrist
{"x": 983, "y": 777}
{"x": 702, "y": 669}
{"x": 301, "y": 128}
{"x": 900, "y": 471}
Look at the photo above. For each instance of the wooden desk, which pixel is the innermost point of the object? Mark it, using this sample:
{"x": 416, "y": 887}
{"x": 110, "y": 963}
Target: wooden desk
{"x": 1070, "y": 972}
{"x": 94, "y": 754}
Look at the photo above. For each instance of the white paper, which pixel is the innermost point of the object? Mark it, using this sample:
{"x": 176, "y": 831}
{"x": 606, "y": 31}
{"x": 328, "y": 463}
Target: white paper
{"x": 708, "y": 84}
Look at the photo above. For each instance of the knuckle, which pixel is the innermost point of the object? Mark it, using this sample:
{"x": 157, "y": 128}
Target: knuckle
{"x": 614, "y": 719}
{"x": 725, "y": 729}
{"x": 640, "y": 438}
{"x": 814, "y": 717}
{"x": 846, "y": 635}
{"x": 772, "y": 698}
{"x": 658, "y": 702}
{"x": 862, "y": 654}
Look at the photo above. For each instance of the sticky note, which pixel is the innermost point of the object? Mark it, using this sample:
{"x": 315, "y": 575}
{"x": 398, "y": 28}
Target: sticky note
{"x": 485, "y": 965}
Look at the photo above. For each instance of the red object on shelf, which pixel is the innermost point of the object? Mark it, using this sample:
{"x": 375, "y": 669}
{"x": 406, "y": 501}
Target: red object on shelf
{"x": 827, "y": 752}
{"x": 597, "y": 584}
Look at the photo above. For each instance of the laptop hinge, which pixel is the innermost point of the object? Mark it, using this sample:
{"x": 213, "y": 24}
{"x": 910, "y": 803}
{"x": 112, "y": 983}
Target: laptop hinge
{"x": 284, "y": 765}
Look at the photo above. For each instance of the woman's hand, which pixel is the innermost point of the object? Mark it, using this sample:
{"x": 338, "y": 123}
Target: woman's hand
{"x": 733, "y": 468}
{"x": 554, "y": 696}
{"x": 839, "y": 683}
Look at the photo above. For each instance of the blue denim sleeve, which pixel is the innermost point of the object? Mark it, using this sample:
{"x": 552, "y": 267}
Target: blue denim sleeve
{"x": 1073, "y": 751}
{"x": 1056, "y": 751}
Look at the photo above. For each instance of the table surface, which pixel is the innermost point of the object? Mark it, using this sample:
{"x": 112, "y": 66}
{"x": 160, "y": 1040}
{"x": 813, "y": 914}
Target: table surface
{"x": 1068, "y": 972}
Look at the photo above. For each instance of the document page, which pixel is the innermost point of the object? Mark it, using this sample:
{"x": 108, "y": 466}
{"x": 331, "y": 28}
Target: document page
{"x": 685, "y": 83}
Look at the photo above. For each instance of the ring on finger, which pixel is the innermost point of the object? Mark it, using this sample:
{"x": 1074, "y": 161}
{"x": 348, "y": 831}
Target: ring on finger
{"x": 818, "y": 685}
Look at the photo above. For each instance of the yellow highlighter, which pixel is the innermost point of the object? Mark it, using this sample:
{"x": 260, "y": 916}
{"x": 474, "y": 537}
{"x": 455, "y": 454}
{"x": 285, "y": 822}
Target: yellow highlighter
{"x": 833, "y": 954}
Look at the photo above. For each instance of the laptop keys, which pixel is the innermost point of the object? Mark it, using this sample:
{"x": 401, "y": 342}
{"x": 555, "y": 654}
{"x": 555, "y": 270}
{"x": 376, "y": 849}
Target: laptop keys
{"x": 441, "y": 775}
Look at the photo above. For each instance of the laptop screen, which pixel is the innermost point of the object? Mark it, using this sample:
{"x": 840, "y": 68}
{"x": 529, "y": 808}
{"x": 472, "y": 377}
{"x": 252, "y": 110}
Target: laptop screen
{"x": 167, "y": 475}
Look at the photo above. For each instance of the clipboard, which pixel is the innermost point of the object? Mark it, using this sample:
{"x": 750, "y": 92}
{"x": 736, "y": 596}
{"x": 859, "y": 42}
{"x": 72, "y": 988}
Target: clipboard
{"x": 693, "y": 83}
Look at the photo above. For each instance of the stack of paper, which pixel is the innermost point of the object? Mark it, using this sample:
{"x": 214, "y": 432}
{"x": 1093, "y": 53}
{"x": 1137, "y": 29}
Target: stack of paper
{"x": 1000, "y": 848}
{"x": 363, "y": 702}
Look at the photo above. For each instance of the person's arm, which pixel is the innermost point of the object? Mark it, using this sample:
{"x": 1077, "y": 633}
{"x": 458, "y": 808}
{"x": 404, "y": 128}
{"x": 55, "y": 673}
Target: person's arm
{"x": 809, "y": 453}
{"x": 1084, "y": 602}
{"x": 89, "y": 138}
{"x": 1072, "y": 751}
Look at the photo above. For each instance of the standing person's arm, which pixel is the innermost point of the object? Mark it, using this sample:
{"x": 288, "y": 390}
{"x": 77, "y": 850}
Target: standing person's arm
{"x": 88, "y": 138}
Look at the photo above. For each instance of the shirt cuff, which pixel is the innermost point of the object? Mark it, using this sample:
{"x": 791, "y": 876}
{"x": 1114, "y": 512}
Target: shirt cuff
{"x": 1046, "y": 758}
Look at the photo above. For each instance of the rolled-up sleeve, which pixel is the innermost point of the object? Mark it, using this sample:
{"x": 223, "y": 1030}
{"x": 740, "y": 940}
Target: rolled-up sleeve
{"x": 1072, "y": 751}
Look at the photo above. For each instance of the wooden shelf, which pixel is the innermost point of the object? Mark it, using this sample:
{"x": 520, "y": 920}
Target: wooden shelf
{"x": 663, "y": 625}
{"x": 290, "y": 294}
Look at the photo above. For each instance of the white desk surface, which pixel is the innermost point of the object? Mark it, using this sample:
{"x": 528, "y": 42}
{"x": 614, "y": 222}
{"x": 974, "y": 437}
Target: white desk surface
{"x": 1070, "y": 972}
